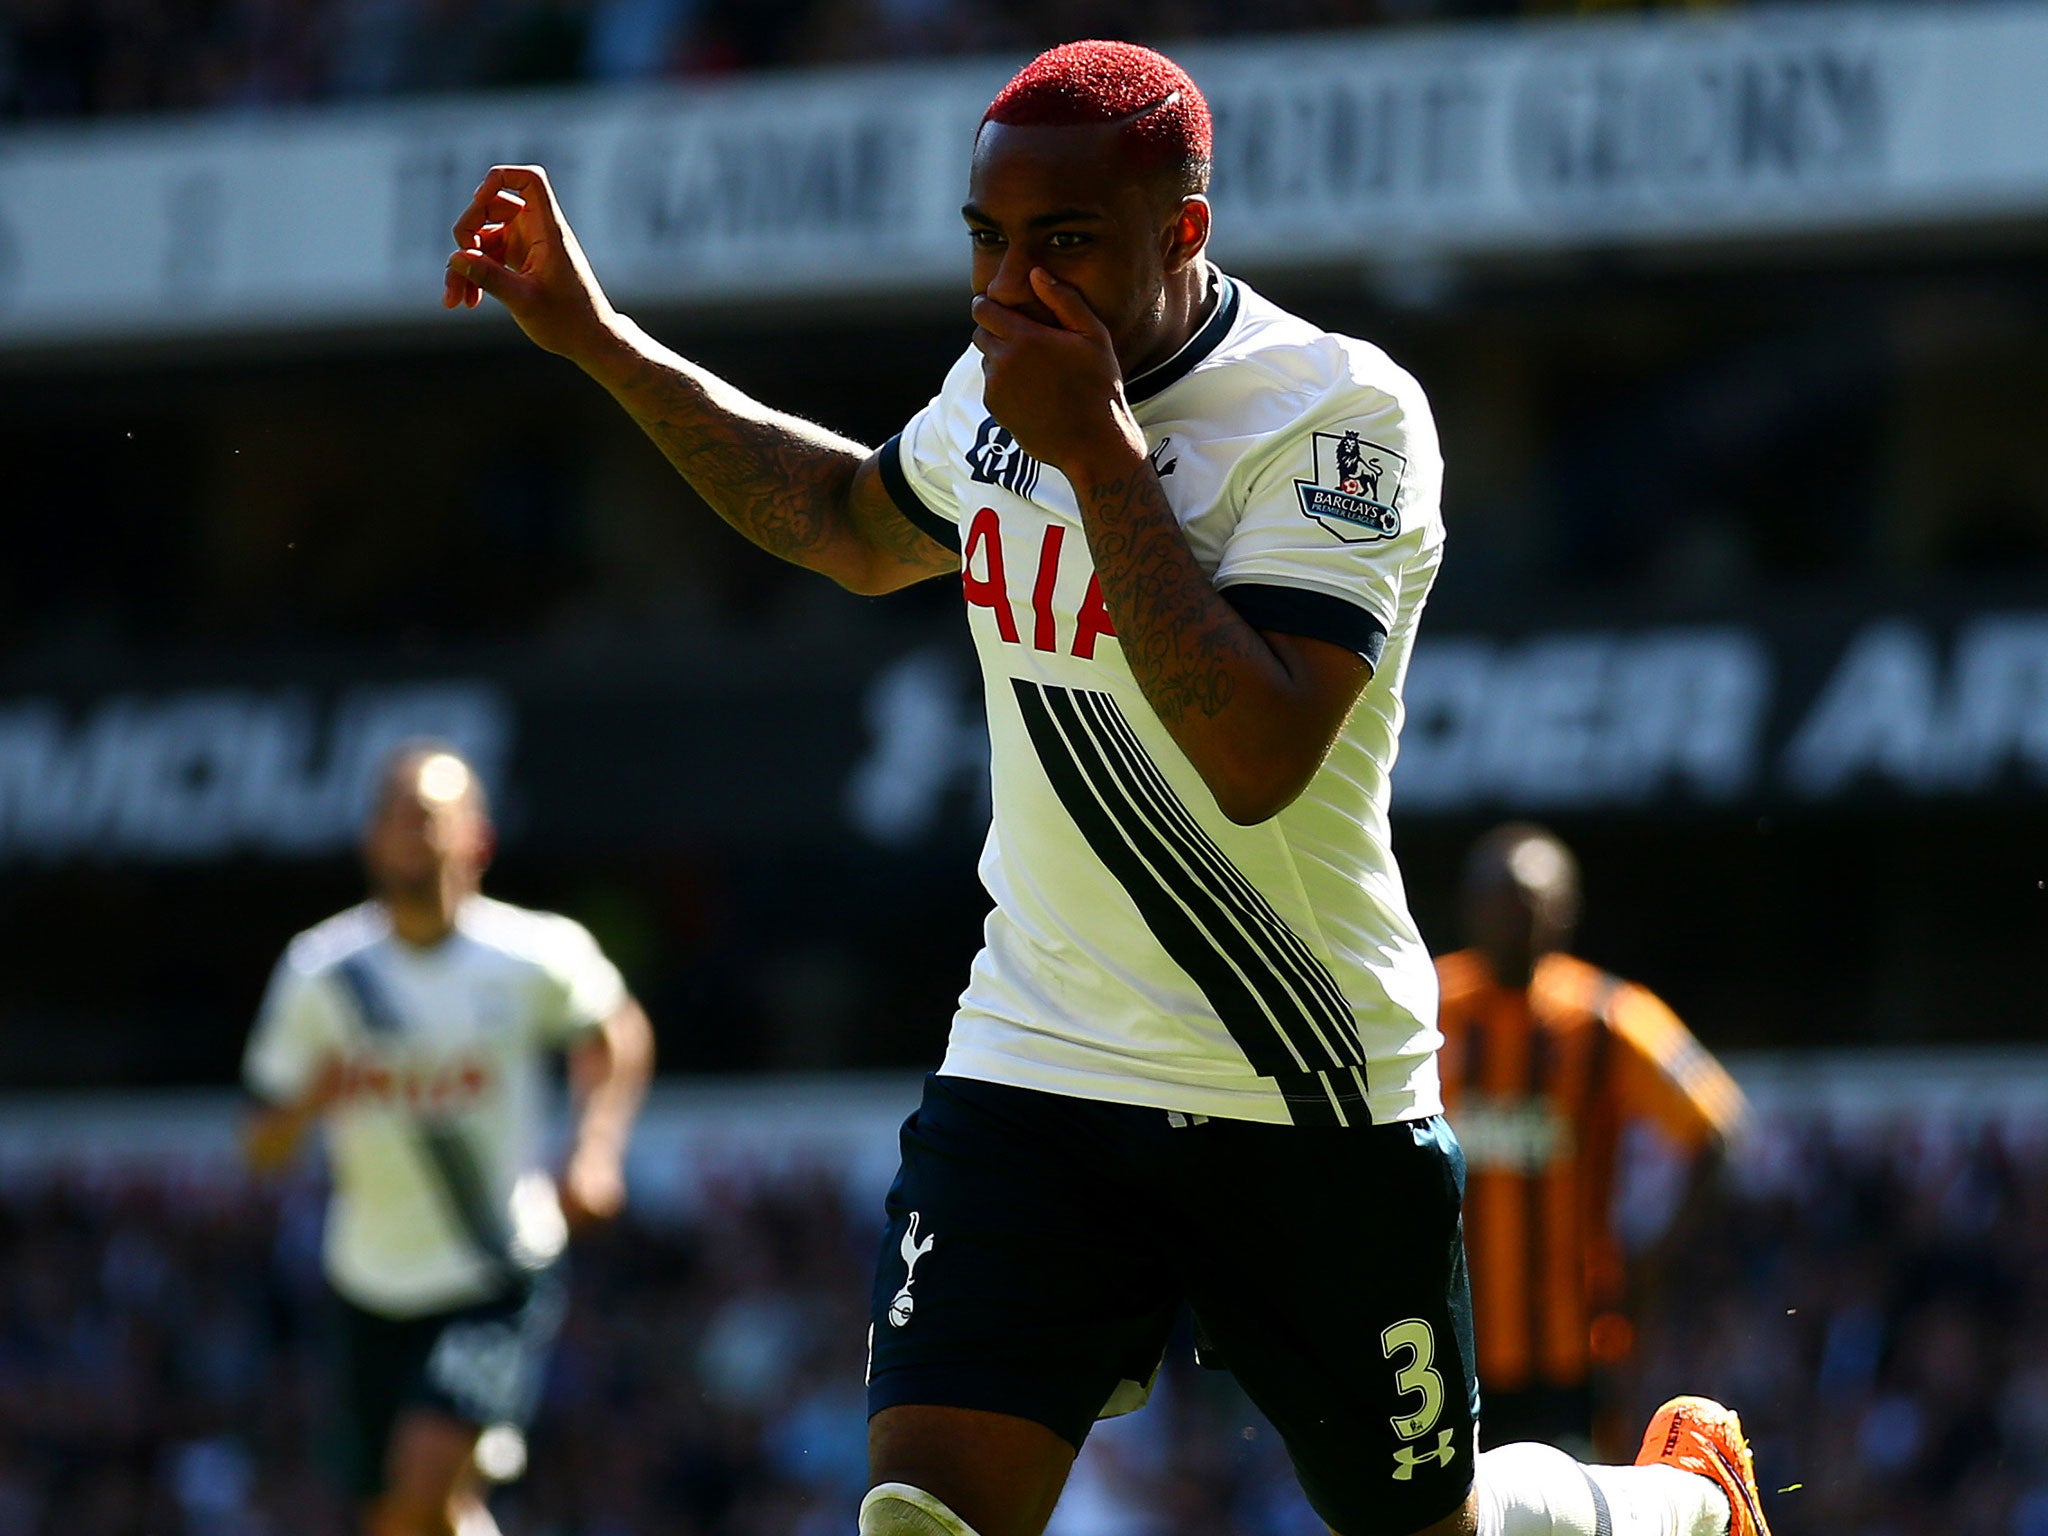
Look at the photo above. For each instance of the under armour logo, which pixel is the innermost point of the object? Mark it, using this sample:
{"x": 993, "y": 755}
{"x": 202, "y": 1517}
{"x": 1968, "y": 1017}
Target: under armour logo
{"x": 995, "y": 459}
{"x": 1407, "y": 1458}
{"x": 900, "y": 1304}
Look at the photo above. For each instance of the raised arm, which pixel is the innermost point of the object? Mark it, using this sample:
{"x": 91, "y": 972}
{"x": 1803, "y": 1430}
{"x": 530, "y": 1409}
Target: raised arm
{"x": 800, "y": 492}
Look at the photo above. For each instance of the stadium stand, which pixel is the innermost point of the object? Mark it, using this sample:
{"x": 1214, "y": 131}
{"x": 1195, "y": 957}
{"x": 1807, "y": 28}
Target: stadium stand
{"x": 1868, "y": 1283}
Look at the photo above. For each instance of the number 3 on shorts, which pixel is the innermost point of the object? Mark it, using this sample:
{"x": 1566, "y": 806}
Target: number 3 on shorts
{"x": 1417, "y": 1375}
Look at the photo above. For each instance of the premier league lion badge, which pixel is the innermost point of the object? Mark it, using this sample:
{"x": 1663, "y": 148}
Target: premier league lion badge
{"x": 1356, "y": 492}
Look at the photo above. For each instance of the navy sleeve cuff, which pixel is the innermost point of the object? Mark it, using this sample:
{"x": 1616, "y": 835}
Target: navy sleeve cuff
{"x": 909, "y": 503}
{"x": 1313, "y": 615}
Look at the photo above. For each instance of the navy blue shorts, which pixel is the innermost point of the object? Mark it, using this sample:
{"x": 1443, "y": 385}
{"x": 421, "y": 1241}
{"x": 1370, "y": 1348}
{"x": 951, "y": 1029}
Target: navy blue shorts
{"x": 1040, "y": 1247}
{"x": 481, "y": 1364}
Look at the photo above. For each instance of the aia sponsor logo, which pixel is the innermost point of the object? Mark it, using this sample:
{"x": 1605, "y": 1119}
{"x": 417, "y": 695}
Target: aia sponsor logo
{"x": 985, "y": 579}
{"x": 435, "y": 1086}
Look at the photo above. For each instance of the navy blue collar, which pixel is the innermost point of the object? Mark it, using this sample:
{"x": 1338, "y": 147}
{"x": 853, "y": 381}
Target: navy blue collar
{"x": 1205, "y": 340}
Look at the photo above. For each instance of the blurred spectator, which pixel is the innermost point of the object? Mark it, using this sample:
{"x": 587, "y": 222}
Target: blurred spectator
{"x": 1874, "y": 1299}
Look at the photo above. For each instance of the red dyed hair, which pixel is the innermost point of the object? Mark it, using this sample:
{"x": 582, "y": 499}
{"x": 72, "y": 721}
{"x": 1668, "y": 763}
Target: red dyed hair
{"x": 1165, "y": 119}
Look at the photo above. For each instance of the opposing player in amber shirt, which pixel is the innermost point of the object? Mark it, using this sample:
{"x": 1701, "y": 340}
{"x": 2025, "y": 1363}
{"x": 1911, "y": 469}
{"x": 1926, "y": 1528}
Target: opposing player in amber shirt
{"x": 1546, "y": 1061}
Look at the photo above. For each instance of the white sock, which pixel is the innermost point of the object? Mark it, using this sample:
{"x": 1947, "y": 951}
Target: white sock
{"x": 1534, "y": 1490}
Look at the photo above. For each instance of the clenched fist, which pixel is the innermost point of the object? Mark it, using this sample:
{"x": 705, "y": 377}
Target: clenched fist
{"x": 513, "y": 243}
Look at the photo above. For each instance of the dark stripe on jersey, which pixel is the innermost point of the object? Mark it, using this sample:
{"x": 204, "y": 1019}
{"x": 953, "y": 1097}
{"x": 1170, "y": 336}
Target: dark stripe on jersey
{"x": 372, "y": 1003}
{"x": 469, "y": 1200}
{"x": 1322, "y": 1043}
{"x": 1317, "y": 615}
{"x": 1600, "y": 1137}
{"x": 1325, "y": 1098}
{"x": 1315, "y": 989}
{"x": 1175, "y": 930}
{"x": 1308, "y": 1097}
{"x": 1477, "y": 1026}
{"x": 1535, "y": 1192}
{"x": 1603, "y": 1517}
{"x": 943, "y": 531}
{"x": 1251, "y": 997}
{"x": 1200, "y": 345}
{"x": 1348, "y": 1084}
{"x": 1593, "y": 1096}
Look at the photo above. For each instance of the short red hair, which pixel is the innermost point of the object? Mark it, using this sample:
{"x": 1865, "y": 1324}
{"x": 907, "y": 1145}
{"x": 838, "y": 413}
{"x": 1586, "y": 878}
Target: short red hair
{"x": 1164, "y": 116}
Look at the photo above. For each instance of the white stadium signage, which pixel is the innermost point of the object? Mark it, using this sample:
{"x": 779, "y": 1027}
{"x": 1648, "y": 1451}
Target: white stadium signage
{"x": 1335, "y": 150}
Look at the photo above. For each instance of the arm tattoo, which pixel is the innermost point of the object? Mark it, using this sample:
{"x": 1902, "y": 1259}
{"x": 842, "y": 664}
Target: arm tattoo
{"x": 778, "y": 480}
{"x": 1186, "y": 645}
{"x": 882, "y": 527}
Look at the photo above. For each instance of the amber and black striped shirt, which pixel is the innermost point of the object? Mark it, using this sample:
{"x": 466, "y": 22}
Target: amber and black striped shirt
{"x": 1539, "y": 1085}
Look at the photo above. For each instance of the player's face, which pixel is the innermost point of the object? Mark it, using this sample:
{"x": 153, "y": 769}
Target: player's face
{"x": 1502, "y": 922}
{"x": 428, "y": 826}
{"x": 1515, "y": 922}
{"x": 1065, "y": 199}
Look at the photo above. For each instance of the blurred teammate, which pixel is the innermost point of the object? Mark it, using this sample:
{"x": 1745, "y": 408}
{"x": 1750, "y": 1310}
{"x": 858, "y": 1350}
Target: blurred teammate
{"x": 416, "y": 1027}
{"x": 1195, "y": 1060}
{"x": 1546, "y": 1061}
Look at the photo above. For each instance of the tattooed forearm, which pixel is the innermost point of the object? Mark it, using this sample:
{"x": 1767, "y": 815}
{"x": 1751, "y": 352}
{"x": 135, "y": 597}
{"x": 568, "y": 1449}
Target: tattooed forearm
{"x": 785, "y": 484}
{"x": 1188, "y": 648}
{"x": 896, "y": 540}
{"x": 777, "y": 479}
{"x": 1254, "y": 713}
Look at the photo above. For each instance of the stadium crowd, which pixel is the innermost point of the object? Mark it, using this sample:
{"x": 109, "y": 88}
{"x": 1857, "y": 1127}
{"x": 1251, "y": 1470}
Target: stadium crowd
{"x": 1877, "y": 1305}
{"x": 72, "y": 58}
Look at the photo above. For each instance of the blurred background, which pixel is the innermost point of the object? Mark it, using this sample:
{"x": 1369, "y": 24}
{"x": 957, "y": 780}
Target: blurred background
{"x": 1735, "y": 323}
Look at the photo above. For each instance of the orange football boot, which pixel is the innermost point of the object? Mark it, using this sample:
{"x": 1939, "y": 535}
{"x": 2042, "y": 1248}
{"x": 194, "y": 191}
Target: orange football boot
{"x": 1696, "y": 1434}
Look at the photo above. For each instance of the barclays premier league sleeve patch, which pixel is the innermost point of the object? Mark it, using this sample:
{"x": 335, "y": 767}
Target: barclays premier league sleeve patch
{"x": 1356, "y": 492}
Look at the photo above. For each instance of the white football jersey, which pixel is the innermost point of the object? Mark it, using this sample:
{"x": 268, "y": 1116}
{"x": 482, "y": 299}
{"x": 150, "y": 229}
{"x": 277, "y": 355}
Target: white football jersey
{"x": 440, "y": 1193}
{"x": 1143, "y": 948}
